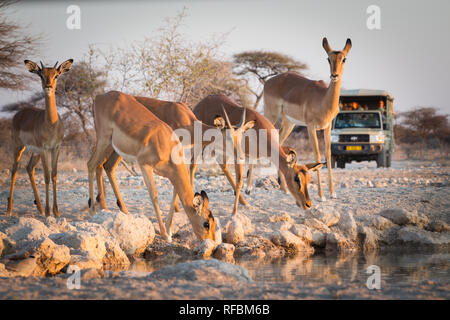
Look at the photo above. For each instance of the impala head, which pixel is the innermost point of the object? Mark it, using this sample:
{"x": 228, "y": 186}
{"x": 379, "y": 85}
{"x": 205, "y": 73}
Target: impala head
{"x": 336, "y": 59}
{"x": 49, "y": 75}
{"x": 205, "y": 224}
{"x": 298, "y": 178}
{"x": 237, "y": 131}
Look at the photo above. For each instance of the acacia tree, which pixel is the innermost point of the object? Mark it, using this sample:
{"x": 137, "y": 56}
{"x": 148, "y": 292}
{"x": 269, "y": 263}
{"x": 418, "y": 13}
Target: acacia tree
{"x": 424, "y": 124}
{"x": 168, "y": 66}
{"x": 14, "y": 47}
{"x": 261, "y": 65}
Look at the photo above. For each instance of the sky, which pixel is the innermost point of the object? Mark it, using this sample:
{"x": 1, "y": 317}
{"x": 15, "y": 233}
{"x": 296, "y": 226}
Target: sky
{"x": 409, "y": 56}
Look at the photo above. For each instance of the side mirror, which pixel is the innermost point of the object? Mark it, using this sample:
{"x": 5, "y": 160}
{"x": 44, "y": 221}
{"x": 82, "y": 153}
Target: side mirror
{"x": 385, "y": 126}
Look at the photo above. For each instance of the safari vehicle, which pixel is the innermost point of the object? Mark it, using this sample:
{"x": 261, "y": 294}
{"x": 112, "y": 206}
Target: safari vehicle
{"x": 364, "y": 128}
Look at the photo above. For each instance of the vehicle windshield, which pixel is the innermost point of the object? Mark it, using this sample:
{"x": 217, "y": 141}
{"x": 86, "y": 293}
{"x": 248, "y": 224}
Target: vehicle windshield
{"x": 357, "y": 120}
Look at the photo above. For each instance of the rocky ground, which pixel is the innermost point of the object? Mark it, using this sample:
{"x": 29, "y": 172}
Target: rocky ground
{"x": 404, "y": 207}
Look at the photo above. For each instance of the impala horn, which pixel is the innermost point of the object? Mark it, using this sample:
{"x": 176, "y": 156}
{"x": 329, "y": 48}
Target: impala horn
{"x": 242, "y": 121}
{"x": 55, "y": 64}
{"x": 228, "y": 120}
{"x": 42, "y": 65}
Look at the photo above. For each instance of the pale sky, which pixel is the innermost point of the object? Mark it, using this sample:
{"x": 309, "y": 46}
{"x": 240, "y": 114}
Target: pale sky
{"x": 409, "y": 56}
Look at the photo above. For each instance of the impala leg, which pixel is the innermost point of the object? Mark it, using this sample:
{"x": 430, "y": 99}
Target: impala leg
{"x": 285, "y": 131}
{"x": 55, "y": 156}
{"x": 249, "y": 179}
{"x": 17, "y": 154}
{"x": 226, "y": 170}
{"x": 175, "y": 203}
{"x": 147, "y": 172}
{"x": 97, "y": 159}
{"x": 327, "y": 138}
{"x": 282, "y": 182}
{"x": 238, "y": 168}
{"x": 170, "y": 216}
{"x": 312, "y": 133}
{"x": 44, "y": 157}
{"x": 192, "y": 168}
{"x": 100, "y": 188}
{"x": 110, "y": 168}
{"x": 30, "y": 169}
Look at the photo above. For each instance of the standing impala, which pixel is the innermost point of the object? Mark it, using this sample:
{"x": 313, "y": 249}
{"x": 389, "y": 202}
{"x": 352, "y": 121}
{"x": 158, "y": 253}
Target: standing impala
{"x": 297, "y": 100}
{"x": 297, "y": 176}
{"x": 41, "y": 132}
{"x": 126, "y": 127}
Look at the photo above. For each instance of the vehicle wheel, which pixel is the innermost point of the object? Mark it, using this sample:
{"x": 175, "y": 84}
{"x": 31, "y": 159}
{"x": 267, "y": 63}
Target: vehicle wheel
{"x": 388, "y": 160}
{"x": 381, "y": 159}
{"x": 341, "y": 164}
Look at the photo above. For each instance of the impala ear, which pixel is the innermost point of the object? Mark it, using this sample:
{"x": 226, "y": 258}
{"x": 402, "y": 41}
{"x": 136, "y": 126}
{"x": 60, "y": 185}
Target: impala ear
{"x": 205, "y": 199}
{"x": 348, "y": 46}
{"x": 291, "y": 158}
{"x": 197, "y": 202}
{"x": 200, "y": 201}
{"x": 65, "y": 66}
{"x": 326, "y": 46}
{"x": 219, "y": 122}
{"x": 32, "y": 67}
{"x": 315, "y": 166}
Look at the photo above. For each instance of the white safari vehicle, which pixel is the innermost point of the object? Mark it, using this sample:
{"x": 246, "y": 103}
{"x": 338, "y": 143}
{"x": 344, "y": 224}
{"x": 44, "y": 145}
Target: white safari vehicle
{"x": 364, "y": 128}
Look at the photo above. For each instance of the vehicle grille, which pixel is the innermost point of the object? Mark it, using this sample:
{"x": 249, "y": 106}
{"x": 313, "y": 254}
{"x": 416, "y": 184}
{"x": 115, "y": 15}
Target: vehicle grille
{"x": 354, "y": 138}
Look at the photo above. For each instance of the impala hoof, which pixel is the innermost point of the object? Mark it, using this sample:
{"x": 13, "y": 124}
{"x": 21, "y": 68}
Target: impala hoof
{"x": 323, "y": 199}
{"x": 168, "y": 238}
{"x": 333, "y": 195}
{"x": 248, "y": 192}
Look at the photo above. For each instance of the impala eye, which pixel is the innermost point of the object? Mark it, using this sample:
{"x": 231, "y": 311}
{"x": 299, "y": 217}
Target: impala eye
{"x": 345, "y": 59}
{"x": 206, "y": 225}
{"x": 297, "y": 179}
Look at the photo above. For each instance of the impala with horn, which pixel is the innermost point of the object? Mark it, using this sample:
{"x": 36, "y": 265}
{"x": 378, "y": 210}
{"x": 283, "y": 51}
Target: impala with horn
{"x": 297, "y": 176}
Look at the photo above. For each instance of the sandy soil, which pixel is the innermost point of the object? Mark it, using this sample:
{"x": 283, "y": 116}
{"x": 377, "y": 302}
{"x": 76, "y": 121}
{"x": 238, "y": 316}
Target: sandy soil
{"x": 361, "y": 188}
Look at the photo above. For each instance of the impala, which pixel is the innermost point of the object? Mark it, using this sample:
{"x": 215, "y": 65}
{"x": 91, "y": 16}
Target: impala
{"x": 41, "y": 132}
{"x": 126, "y": 127}
{"x": 298, "y": 100}
{"x": 177, "y": 116}
{"x": 297, "y": 176}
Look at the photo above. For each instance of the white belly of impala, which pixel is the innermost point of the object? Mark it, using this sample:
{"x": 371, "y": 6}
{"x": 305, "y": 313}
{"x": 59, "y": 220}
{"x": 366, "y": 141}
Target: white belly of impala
{"x": 126, "y": 157}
